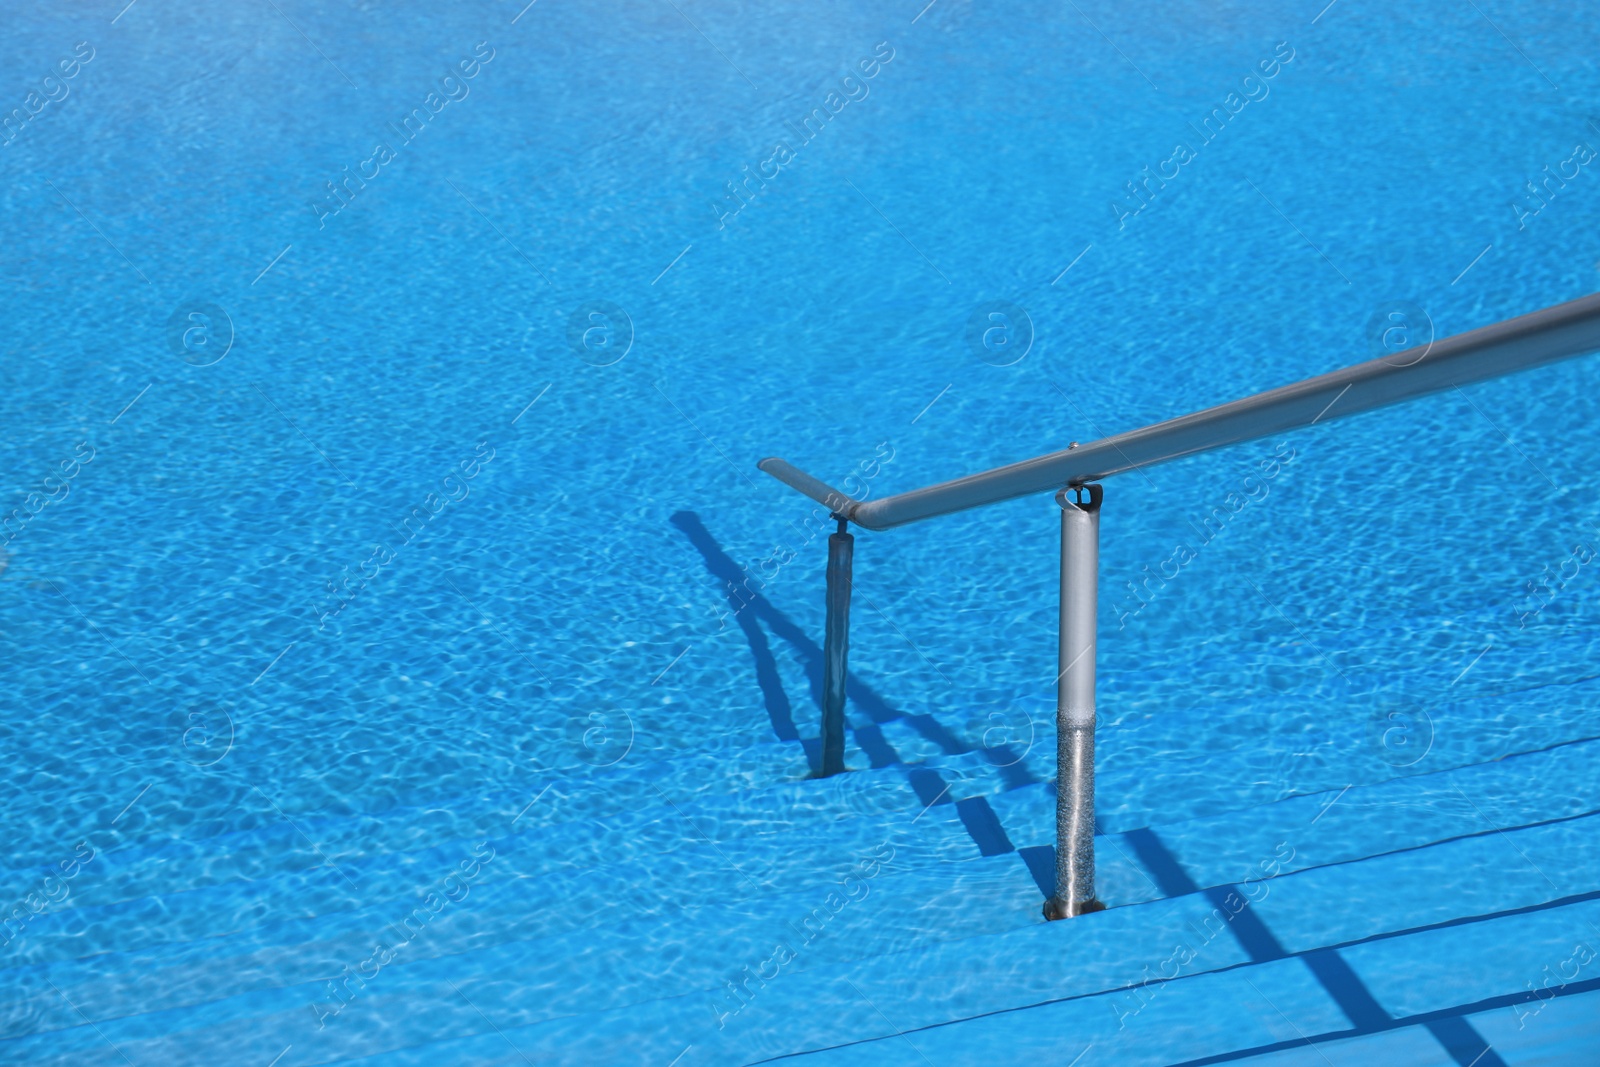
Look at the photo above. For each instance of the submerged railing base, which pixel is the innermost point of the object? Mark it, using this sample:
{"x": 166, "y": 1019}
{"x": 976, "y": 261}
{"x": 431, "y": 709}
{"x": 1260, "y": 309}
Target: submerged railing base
{"x": 1074, "y": 893}
{"x": 1055, "y": 908}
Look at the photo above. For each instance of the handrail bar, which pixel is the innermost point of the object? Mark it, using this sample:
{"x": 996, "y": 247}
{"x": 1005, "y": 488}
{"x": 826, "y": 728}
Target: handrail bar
{"x": 1528, "y": 341}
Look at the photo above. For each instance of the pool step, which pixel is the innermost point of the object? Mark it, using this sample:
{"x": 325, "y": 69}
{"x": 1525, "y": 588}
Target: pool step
{"x": 1222, "y": 756}
{"x": 834, "y": 1005}
{"x": 1417, "y": 998}
{"x": 639, "y": 808}
{"x": 1449, "y": 949}
{"x": 278, "y": 871}
{"x": 110, "y": 914}
{"x": 696, "y": 951}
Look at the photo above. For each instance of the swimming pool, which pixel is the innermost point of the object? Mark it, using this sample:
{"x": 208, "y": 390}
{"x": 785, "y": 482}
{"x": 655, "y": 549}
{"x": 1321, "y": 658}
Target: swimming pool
{"x": 382, "y": 397}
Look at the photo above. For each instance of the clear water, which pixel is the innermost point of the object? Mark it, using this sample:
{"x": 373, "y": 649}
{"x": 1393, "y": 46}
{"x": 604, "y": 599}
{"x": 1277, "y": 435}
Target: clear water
{"x": 533, "y": 514}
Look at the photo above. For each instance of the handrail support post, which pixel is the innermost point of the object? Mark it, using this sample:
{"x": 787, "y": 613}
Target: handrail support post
{"x": 836, "y": 648}
{"x": 1075, "y": 712}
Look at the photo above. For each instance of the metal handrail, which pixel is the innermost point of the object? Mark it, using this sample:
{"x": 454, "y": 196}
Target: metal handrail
{"x": 1545, "y": 336}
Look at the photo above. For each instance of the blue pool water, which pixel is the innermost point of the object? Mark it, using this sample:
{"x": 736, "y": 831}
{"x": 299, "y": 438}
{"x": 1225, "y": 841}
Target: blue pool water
{"x": 369, "y": 547}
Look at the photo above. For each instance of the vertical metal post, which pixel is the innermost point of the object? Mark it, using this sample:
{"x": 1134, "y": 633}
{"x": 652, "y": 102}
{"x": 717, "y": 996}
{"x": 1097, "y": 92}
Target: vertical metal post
{"x": 836, "y": 649}
{"x": 1080, "y": 565}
